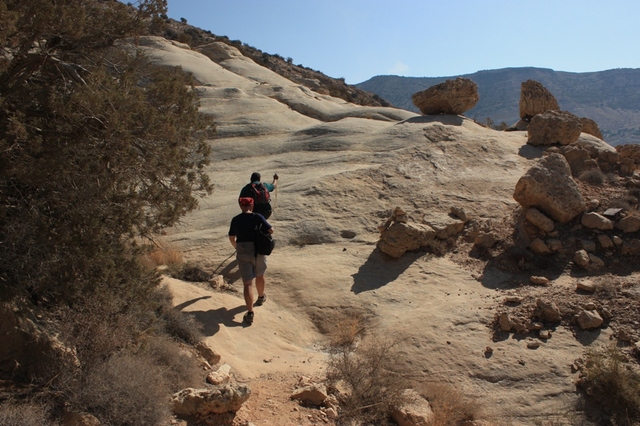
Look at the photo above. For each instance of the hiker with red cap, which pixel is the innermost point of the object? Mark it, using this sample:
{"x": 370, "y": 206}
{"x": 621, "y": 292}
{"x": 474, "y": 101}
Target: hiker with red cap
{"x": 250, "y": 263}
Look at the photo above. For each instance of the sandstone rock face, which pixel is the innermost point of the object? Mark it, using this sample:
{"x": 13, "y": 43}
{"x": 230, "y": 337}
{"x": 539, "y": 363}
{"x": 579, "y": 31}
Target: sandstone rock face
{"x": 554, "y": 127}
{"x": 549, "y": 187}
{"x": 535, "y": 99}
{"x": 451, "y": 97}
{"x": 591, "y": 127}
{"x": 401, "y": 237}
{"x": 216, "y": 400}
{"x": 219, "y": 51}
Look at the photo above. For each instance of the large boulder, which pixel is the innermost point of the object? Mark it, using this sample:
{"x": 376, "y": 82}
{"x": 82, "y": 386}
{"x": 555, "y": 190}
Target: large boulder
{"x": 415, "y": 410}
{"x": 535, "y": 99}
{"x": 554, "y": 127}
{"x": 200, "y": 403}
{"x": 549, "y": 187}
{"x": 451, "y": 97}
{"x": 401, "y": 237}
{"x": 591, "y": 127}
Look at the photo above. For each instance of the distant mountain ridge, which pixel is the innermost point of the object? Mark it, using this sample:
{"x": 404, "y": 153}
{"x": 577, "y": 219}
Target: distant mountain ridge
{"x": 611, "y": 98}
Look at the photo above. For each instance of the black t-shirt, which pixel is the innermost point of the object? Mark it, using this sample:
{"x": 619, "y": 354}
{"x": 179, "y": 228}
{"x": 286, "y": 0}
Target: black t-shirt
{"x": 242, "y": 226}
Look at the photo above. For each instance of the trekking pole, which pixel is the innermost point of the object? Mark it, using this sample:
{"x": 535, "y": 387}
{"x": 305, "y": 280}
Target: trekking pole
{"x": 216, "y": 270}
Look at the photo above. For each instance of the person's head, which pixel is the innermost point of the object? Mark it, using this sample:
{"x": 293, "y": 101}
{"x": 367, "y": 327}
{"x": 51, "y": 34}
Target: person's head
{"x": 255, "y": 177}
{"x": 246, "y": 204}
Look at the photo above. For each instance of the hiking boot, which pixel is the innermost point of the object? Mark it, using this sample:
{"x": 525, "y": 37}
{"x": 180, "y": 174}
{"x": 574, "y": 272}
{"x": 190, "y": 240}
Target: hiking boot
{"x": 248, "y": 318}
{"x": 260, "y": 300}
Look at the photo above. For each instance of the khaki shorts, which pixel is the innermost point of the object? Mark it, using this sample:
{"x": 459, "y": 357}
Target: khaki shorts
{"x": 249, "y": 264}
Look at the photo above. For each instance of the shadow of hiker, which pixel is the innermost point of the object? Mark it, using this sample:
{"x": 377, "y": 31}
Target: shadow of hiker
{"x": 379, "y": 270}
{"x": 190, "y": 302}
{"x": 212, "y": 319}
{"x": 231, "y": 272}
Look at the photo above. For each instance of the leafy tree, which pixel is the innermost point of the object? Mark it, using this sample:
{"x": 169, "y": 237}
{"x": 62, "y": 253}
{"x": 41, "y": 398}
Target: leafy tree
{"x": 97, "y": 147}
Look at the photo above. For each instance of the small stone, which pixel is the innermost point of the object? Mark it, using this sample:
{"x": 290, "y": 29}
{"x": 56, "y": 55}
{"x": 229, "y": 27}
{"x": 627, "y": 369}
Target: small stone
{"x": 513, "y": 299}
{"x": 533, "y": 344}
{"x": 586, "y": 286}
{"x": 539, "y": 280}
{"x": 617, "y": 240}
{"x": 545, "y": 334}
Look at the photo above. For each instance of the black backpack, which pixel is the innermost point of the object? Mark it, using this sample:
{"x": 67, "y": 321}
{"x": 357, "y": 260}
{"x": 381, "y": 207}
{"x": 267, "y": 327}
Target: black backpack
{"x": 262, "y": 241}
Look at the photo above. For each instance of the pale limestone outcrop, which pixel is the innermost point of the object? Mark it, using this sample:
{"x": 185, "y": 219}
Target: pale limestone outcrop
{"x": 451, "y": 97}
{"x": 554, "y": 127}
{"x": 535, "y": 99}
{"x": 201, "y": 403}
{"x": 549, "y": 187}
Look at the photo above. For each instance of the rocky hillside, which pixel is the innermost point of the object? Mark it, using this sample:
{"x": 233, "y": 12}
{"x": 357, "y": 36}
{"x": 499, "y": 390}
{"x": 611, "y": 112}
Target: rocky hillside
{"x": 611, "y": 98}
{"x": 315, "y": 80}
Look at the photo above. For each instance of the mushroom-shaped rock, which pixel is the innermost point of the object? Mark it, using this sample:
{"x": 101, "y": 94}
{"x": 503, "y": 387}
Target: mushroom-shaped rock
{"x": 554, "y": 127}
{"x": 549, "y": 187}
{"x": 535, "y": 99}
{"x": 451, "y": 97}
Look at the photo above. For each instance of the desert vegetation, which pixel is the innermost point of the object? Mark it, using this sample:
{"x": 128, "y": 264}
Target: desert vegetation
{"x": 99, "y": 150}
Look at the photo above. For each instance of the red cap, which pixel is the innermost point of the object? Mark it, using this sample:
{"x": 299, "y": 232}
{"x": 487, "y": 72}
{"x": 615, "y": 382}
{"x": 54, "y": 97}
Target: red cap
{"x": 245, "y": 201}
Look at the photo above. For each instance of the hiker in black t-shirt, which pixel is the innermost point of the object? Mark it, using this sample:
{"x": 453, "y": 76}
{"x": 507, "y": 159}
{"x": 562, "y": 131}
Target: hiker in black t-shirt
{"x": 260, "y": 192}
{"x": 250, "y": 264}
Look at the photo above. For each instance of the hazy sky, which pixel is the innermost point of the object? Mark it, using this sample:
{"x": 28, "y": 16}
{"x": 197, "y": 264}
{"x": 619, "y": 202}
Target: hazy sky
{"x": 359, "y": 39}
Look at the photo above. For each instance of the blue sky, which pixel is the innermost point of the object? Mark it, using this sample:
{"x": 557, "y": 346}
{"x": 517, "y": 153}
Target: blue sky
{"x": 359, "y": 39}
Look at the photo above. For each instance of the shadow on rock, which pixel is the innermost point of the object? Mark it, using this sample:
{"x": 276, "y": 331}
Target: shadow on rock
{"x": 212, "y": 319}
{"x": 452, "y": 120}
{"x": 379, "y": 270}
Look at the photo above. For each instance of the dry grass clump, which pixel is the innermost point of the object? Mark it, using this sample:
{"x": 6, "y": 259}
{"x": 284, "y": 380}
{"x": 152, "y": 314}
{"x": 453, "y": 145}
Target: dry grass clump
{"x": 176, "y": 323}
{"x": 180, "y": 370}
{"x": 25, "y": 414}
{"x": 613, "y": 385}
{"x": 593, "y": 177}
{"x": 125, "y": 390}
{"x": 363, "y": 371}
{"x": 450, "y": 407}
{"x": 162, "y": 254}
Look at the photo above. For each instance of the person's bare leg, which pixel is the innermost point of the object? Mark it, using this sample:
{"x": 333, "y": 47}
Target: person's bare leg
{"x": 248, "y": 294}
{"x": 260, "y": 285}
